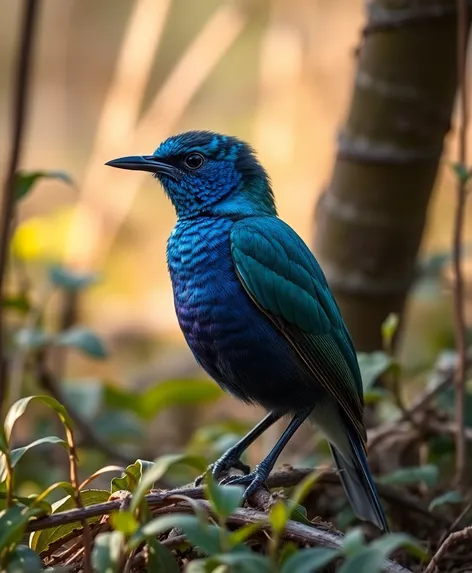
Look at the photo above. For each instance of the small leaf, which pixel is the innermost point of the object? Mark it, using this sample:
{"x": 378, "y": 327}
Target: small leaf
{"x": 31, "y": 338}
{"x": 18, "y": 453}
{"x": 12, "y": 525}
{"x": 372, "y": 557}
{"x": 20, "y": 303}
{"x": 448, "y": 497}
{"x": 389, "y": 328}
{"x": 463, "y": 174}
{"x": 87, "y": 396}
{"x": 428, "y": 474}
{"x": 159, "y": 469}
{"x": 304, "y": 487}
{"x": 125, "y": 522}
{"x": 41, "y": 540}
{"x": 240, "y": 562}
{"x": 240, "y": 535}
{"x": 373, "y": 365}
{"x": 389, "y": 543}
{"x": 278, "y": 516}
{"x": 159, "y": 558}
{"x": 353, "y": 542}
{"x": 84, "y": 340}
{"x": 224, "y": 499}
{"x": 25, "y": 180}
{"x": 161, "y": 396}
{"x": 19, "y": 407}
{"x": 107, "y": 551}
{"x": 310, "y": 560}
{"x": 70, "y": 280}
{"x": 207, "y": 537}
{"x": 24, "y": 560}
{"x": 131, "y": 477}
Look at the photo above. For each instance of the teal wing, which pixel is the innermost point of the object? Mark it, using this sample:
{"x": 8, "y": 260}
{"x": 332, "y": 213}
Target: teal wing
{"x": 284, "y": 280}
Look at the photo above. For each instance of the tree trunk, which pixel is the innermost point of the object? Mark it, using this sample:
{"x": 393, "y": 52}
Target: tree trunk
{"x": 371, "y": 218}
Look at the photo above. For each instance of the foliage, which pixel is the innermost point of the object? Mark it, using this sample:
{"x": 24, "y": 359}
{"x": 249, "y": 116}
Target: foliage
{"x": 133, "y": 524}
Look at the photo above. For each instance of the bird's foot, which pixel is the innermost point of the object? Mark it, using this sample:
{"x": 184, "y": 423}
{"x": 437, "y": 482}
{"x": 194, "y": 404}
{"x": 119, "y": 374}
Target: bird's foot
{"x": 253, "y": 480}
{"x": 227, "y": 461}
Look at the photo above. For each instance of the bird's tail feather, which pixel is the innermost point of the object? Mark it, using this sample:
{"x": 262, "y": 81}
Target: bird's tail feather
{"x": 359, "y": 485}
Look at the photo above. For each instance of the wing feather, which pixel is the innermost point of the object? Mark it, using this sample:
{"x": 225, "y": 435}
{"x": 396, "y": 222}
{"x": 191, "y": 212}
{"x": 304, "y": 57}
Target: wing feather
{"x": 284, "y": 280}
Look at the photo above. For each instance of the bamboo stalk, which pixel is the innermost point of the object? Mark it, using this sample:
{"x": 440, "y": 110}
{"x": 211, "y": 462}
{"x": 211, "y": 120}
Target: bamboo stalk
{"x": 372, "y": 216}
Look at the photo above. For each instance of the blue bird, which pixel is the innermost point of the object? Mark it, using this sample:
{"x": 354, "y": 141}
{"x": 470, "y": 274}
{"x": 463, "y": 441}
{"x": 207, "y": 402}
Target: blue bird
{"x": 255, "y": 308}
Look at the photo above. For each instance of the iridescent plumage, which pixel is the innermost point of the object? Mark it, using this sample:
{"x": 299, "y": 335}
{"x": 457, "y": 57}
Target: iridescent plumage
{"x": 255, "y": 307}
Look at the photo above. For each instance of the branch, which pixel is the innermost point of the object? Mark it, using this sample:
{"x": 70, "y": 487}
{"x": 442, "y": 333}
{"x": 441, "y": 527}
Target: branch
{"x": 459, "y": 220}
{"x": 456, "y": 537}
{"x": 445, "y": 377}
{"x": 164, "y": 502}
{"x": 20, "y": 94}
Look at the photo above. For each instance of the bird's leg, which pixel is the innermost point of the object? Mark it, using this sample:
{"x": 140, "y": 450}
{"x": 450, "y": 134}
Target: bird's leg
{"x": 231, "y": 458}
{"x": 261, "y": 472}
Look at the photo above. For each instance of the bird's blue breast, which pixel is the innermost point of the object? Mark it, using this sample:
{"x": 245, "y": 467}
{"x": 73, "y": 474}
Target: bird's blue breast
{"x": 229, "y": 336}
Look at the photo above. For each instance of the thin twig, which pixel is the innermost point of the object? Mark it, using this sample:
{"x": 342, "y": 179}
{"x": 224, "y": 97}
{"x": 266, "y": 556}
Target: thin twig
{"x": 287, "y": 477}
{"x": 456, "y": 537}
{"x": 459, "y": 220}
{"x": 20, "y": 95}
{"x": 446, "y": 379}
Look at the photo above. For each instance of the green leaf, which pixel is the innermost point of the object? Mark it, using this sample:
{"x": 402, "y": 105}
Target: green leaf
{"x": 25, "y": 180}
{"x": 240, "y": 535}
{"x": 372, "y": 558}
{"x": 19, "y": 407}
{"x": 278, "y": 516}
{"x": 20, "y": 303}
{"x": 18, "y": 453}
{"x": 70, "y": 280}
{"x": 161, "y": 396}
{"x": 428, "y": 474}
{"x": 125, "y": 522}
{"x": 131, "y": 477}
{"x": 310, "y": 560}
{"x": 84, "y": 340}
{"x": 304, "y": 487}
{"x": 41, "y": 540}
{"x": 87, "y": 396}
{"x": 353, "y": 542}
{"x": 31, "y": 338}
{"x": 461, "y": 171}
{"x": 24, "y": 560}
{"x": 389, "y": 543}
{"x": 448, "y": 497}
{"x": 160, "y": 559}
{"x": 159, "y": 469}
{"x": 12, "y": 525}
{"x": 206, "y": 537}
{"x": 373, "y": 365}
{"x": 389, "y": 328}
{"x": 240, "y": 562}
{"x": 224, "y": 499}
{"x": 107, "y": 551}
{"x": 29, "y": 501}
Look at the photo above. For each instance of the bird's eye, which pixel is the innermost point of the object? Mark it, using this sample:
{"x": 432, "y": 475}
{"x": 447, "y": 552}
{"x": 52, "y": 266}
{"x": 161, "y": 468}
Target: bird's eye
{"x": 194, "y": 160}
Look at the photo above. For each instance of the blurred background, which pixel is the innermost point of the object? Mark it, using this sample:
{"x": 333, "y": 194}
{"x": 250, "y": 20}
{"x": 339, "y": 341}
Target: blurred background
{"x": 115, "y": 78}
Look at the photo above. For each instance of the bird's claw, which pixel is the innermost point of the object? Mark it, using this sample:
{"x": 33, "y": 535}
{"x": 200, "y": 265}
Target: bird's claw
{"x": 222, "y": 465}
{"x": 253, "y": 481}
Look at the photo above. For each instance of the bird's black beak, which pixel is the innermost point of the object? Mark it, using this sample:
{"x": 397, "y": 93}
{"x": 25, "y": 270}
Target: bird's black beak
{"x": 145, "y": 163}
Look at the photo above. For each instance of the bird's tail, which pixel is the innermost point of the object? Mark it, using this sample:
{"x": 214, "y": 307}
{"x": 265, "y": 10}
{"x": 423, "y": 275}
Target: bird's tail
{"x": 359, "y": 485}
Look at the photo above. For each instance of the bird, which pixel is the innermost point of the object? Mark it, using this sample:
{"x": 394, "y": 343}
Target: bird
{"x": 256, "y": 310}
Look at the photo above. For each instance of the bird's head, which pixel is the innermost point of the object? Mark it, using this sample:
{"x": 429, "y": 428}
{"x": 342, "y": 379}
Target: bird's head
{"x": 205, "y": 172}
